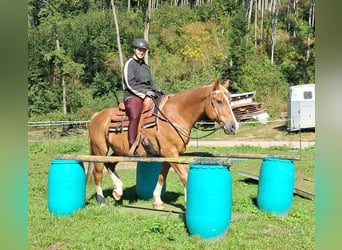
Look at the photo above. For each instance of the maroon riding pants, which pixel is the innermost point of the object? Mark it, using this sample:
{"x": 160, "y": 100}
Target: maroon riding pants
{"x": 133, "y": 106}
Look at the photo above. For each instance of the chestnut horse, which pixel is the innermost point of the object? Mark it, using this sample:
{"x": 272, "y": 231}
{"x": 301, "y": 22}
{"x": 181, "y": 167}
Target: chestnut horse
{"x": 169, "y": 138}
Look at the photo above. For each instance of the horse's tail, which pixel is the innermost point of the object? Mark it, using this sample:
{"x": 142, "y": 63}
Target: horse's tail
{"x": 89, "y": 166}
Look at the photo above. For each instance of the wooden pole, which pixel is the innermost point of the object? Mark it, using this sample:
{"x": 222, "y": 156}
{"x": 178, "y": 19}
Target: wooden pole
{"x": 248, "y": 156}
{"x": 182, "y": 160}
{"x": 296, "y": 189}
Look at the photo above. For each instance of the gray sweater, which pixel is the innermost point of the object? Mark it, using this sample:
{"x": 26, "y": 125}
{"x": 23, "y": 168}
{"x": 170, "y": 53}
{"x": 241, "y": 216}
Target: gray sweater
{"x": 137, "y": 79}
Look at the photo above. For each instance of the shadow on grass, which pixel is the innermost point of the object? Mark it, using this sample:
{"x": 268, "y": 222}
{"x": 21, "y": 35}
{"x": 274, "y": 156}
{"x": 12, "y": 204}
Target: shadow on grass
{"x": 251, "y": 181}
{"x": 283, "y": 128}
{"x": 130, "y": 195}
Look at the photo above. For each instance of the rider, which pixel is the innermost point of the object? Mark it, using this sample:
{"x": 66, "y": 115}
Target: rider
{"x": 137, "y": 85}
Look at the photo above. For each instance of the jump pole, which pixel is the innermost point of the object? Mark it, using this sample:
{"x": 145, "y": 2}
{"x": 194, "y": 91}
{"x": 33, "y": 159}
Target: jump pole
{"x": 182, "y": 159}
{"x": 242, "y": 155}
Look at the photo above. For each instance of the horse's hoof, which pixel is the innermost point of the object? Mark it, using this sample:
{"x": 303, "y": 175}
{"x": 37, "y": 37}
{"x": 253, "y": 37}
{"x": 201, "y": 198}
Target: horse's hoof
{"x": 116, "y": 196}
{"x": 101, "y": 200}
{"x": 159, "y": 206}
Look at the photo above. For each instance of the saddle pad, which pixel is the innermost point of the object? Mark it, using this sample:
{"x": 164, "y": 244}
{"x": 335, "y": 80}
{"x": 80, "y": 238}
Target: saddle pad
{"x": 122, "y": 125}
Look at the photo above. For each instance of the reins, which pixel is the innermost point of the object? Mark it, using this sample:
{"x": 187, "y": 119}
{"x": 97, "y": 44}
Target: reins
{"x": 171, "y": 123}
{"x": 213, "y": 130}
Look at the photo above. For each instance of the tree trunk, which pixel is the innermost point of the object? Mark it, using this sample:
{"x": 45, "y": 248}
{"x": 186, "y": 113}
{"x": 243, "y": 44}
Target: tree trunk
{"x": 309, "y": 30}
{"x": 262, "y": 21}
{"x": 147, "y": 25}
{"x": 255, "y": 23}
{"x": 270, "y": 4}
{"x": 63, "y": 81}
{"x": 117, "y": 34}
{"x": 288, "y": 15}
{"x": 295, "y": 17}
{"x": 275, "y": 10}
{"x": 250, "y": 9}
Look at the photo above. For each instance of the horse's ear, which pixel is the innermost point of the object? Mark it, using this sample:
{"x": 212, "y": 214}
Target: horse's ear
{"x": 217, "y": 84}
{"x": 226, "y": 84}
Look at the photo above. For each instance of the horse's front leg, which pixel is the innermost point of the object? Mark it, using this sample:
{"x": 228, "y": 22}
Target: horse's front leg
{"x": 98, "y": 175}
{"x": 183, "y": 175}
{"x": 158, "y": 203}
{"x": 117, "y": 191}
{"x": 181, "y": 172}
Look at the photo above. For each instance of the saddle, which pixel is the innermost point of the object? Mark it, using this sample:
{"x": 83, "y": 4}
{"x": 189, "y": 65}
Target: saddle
{"x": 148, "y": 118}
{"x": 119, "y": 120}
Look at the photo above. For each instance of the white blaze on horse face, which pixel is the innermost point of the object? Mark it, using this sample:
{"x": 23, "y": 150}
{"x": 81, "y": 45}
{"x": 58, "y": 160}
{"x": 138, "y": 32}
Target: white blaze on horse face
{"x": 231, "y": 111}
{"x": 229, "y": 107}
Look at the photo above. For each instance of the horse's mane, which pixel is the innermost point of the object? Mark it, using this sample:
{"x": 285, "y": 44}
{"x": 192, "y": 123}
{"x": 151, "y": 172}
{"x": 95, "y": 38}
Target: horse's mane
{"x": 190, "y": 90}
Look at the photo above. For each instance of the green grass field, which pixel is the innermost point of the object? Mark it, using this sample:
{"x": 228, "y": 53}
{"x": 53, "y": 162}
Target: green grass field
{"x": 132, "y": 224}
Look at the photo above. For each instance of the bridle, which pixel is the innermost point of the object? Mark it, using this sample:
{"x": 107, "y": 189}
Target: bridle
{"x": 214, "y": 106}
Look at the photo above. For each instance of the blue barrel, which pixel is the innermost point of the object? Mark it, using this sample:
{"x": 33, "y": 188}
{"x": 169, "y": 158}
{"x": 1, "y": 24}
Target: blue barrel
{"x": 146, "y": 179}
{"x": 276, "y": 186}
{"x": 209, "y": 200}
{"x": 66, "y": 187}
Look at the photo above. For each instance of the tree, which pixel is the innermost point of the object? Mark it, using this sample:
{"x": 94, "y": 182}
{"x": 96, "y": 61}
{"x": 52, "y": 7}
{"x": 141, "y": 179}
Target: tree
{"x": 117, "y": 33}
{"x": 310, "y": 25}
{"x": 240, "y": 47}
{"x": 64, "y": 66}
{"x": 192, "y": 42}
{"x": 275, "y": 11}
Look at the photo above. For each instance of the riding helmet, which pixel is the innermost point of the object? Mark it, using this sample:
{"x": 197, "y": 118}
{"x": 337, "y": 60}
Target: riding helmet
{"x": 140, "y": 43}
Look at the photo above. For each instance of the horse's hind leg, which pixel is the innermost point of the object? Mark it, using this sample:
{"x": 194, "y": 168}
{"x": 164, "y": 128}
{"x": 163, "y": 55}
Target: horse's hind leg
{"x": 117, "y": 191}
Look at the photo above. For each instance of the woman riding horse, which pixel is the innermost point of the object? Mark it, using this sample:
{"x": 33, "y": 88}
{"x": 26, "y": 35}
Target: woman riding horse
{"x": 169, "y": 138}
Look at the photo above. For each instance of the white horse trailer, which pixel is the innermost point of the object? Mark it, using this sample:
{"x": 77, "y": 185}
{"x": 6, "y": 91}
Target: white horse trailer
{"x": 301, "y": 107}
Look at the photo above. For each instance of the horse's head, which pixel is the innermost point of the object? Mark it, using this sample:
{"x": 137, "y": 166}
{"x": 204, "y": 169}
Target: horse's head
{"x": 220, "y": 109}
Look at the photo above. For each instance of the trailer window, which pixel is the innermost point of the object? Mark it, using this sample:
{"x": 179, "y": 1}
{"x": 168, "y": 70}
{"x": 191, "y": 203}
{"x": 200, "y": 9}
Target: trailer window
{"x": 307, "y": 95}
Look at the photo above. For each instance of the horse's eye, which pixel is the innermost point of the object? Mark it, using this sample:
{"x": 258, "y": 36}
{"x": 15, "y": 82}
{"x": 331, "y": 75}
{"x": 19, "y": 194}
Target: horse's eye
{"x": 219, "y": 102}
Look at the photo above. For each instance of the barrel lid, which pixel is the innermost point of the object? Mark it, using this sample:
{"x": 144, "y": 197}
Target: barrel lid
{"x": 62, "y": 161}
{"x": 277, "y": 160}
{"x": 207, "y": 166}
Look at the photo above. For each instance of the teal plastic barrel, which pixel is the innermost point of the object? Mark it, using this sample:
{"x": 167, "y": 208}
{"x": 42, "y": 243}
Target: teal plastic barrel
{"x": 146, "y": 179}
{"x": 276, "y": 186}
{"x": 209, "y": 200}
{"x": 66, "y": 187}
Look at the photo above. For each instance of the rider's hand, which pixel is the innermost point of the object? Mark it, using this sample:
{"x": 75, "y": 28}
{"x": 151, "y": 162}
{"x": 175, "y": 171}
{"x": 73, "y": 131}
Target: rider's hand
{"x": 150, "y": 94}
{"x": 159, "y": 91}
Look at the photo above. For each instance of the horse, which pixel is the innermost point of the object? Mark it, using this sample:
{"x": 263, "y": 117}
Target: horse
{"x": 168, "y": 139}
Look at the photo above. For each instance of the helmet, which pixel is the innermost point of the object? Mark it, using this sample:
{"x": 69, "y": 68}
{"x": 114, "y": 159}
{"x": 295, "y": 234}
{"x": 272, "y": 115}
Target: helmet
{"x": 140, "y": 43}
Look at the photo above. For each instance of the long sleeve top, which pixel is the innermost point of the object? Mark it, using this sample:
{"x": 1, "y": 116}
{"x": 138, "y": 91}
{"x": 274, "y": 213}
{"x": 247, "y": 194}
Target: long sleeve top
{"x": 137, "y": 79}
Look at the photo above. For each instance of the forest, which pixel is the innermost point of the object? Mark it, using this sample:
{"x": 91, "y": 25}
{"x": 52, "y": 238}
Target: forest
{"x": 76, "y": 49}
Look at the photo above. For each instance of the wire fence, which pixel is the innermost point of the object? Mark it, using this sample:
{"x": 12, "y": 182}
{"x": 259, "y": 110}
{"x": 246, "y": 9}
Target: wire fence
{"x": 56, "y": 123}
{"x": 65, "y": 123}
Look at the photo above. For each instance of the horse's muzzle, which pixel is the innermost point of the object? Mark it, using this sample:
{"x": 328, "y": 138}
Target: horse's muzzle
{"x": 230, "y": 128}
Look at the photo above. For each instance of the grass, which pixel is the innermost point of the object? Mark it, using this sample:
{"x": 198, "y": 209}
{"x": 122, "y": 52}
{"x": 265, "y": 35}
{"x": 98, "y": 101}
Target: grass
{"x": 117, "y": 226}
